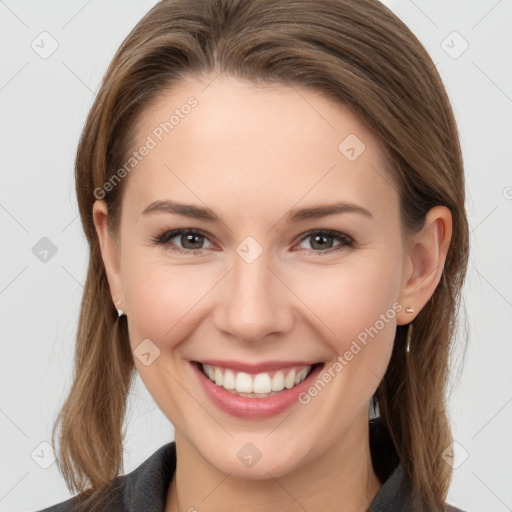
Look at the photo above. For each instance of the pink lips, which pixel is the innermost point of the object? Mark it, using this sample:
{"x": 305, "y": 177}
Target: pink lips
{"x": 253, "y": 408}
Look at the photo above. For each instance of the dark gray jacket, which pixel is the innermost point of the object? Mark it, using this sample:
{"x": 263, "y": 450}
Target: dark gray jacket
{"x": 145, "y": 488}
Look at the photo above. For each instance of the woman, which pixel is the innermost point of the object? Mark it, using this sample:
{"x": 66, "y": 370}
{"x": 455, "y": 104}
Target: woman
{"x": 273, "y": 194}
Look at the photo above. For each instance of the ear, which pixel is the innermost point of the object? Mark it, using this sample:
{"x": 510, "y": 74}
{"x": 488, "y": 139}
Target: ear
{"x": 109, "y": 252}
{"x": 424, "y": 262}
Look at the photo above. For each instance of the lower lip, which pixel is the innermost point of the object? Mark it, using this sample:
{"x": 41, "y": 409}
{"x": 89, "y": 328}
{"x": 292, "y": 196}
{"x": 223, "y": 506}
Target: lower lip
{"x": 244, "y": 407}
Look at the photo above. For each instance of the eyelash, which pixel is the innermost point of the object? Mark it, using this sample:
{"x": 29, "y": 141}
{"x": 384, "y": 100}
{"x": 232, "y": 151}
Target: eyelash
{"x": 346, "y": 241}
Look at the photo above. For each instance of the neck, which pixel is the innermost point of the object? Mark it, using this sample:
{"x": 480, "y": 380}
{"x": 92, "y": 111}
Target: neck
{"x": 341, "y": 479}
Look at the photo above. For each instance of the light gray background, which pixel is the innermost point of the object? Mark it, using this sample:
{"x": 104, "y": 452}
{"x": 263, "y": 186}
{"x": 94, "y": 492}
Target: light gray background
{"x": 44, "y": 102}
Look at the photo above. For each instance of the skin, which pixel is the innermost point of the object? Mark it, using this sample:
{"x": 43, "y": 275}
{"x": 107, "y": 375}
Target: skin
{"x": 251, "y": 154}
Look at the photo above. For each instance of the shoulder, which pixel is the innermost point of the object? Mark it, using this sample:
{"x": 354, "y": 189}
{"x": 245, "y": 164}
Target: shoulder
{"x": 147, "y": 482}
{"x": 64, "y": 506}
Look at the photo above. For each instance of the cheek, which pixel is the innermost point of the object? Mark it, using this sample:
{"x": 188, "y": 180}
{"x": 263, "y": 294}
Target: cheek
{"x": 163, "y": 299}
{"x": 164, "y": 305}
{"x": 355, "y": 305}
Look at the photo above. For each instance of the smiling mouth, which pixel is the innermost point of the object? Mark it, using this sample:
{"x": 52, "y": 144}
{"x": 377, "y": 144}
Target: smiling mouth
{"x": 257, "y": 385}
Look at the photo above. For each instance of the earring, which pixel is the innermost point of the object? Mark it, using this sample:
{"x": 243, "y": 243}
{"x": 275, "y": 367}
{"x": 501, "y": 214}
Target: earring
{"x": 120, "y": 312}
{"x": 408, "y": 309}
{"x": 409, "y": 336}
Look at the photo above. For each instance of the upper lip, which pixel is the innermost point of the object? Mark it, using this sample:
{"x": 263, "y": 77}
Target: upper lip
{"x": 266, "y": 366}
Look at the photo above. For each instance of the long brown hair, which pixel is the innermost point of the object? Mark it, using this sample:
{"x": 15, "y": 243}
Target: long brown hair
{"x": 359, "y": 54}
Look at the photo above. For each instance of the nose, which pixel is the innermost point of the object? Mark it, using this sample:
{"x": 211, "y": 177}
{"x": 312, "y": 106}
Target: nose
{"x": 254, "y": 302}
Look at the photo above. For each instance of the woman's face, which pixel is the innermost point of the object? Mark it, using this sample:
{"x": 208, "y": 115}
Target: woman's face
{"x": 261, "y": 284}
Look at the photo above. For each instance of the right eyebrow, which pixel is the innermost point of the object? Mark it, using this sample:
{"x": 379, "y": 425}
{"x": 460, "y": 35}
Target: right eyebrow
{"x": 187, "y": 210}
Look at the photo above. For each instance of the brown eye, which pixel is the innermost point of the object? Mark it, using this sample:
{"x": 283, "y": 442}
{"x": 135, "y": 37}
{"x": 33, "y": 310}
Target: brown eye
{"x": 182, "y": 240}
{"x": 322, "y": 241}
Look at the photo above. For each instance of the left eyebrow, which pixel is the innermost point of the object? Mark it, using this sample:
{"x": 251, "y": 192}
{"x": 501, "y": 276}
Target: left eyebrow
{"x": 324, "y": 210}
{"x": 295, "y": 215}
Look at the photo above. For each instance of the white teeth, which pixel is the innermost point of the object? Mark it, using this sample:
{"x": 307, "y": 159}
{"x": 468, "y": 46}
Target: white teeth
{"x": 278, "y": 381}
{"x": 229, "y": 380}
{"x": 260, "y": 384}
{"x": 289, "y": 380}
{"x": 243, "y": 383}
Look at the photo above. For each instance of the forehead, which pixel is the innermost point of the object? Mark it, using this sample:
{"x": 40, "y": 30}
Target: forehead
{"x": 257, "y": 148}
